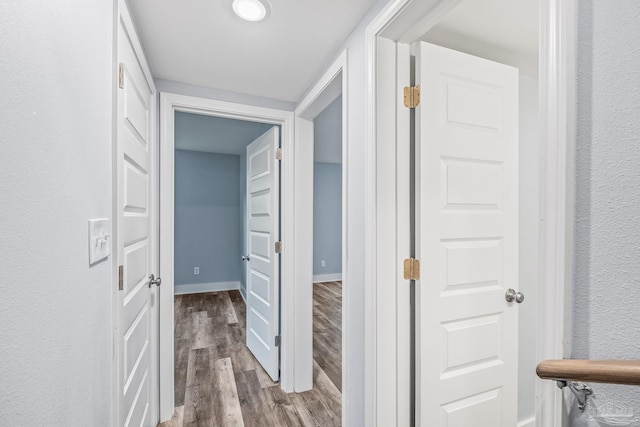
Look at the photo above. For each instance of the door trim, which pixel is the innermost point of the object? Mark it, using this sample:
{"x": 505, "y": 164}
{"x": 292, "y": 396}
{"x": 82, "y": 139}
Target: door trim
{"x": 397, "y": 23}
{"x": 319, "y": 97}
{"x": 123, "y": 15}
{"x": 169, "y": 104}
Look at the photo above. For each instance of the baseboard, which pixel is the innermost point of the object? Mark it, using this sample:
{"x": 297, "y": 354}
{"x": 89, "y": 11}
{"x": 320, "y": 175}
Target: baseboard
{"x": 243, "y": 291}
{"x": 529, "y": 422}
{"x": 327, "y": 278}
{"x": 198, "y": 288}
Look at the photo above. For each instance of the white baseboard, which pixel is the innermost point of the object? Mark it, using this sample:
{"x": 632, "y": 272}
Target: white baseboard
{"x": 198, "y": 288}
{"x": 327, "y": 278}
{"x": 529, "y": 422}
{"x": 243, "y": 290}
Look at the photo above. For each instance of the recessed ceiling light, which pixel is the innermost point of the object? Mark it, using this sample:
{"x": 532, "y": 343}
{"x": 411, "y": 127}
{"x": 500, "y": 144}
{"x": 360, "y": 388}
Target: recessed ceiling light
{"x": 251, "y": 10}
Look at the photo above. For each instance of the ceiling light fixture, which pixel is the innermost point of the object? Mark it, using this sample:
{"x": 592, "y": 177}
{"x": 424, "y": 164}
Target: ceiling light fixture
{"x": 251, "y": 10}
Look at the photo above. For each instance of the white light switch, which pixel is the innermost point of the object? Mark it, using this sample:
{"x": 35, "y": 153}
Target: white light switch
{"x": 99, "y": 239}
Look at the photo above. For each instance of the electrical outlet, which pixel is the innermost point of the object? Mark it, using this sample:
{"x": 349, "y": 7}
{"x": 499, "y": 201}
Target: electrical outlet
{"x": 196, "y": 270}
{"x": 323, "y": 263}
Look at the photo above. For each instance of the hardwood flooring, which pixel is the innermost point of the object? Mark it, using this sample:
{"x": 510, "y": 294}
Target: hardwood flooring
{"x": 218, "y": 382}
{"x": 327, "y": 329}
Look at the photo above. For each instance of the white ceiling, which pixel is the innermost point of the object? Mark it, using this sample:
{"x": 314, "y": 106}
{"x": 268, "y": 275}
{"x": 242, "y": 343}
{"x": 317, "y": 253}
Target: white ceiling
{"x": 211, "y": 134}
{"x": 202, "y": 42}
{"x": 505, "y": 31}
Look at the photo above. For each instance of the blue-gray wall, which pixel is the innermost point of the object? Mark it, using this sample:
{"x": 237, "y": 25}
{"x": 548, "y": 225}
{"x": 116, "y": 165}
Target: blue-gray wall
{"x": 606, "y": 293}
{"x": 327, "y": 190}
{"x": 327, "y": 133}
{"x": 208, "y": 217}
{"x": 327, "y": 218}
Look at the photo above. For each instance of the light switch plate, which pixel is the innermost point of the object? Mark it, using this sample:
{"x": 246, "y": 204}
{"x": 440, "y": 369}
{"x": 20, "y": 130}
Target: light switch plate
{"x": 99, "y": 239}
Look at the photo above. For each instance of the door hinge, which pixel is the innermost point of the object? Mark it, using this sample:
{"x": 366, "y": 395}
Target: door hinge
{"x": 411, "y": 96}
{"x": 411, "y": 269}
{"x": 121, "y": 277}
{"x": 278, "y": 247}
{"x": 277, "y": 341}
{"x": 121, "y": 76}
{"x": 278, "y": 153}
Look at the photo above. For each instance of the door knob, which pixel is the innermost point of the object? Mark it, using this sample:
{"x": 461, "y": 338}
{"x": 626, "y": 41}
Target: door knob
{"x": 245, "y": 257}
{"x": 154, "y": 281}
{"x": 511, "y": 295}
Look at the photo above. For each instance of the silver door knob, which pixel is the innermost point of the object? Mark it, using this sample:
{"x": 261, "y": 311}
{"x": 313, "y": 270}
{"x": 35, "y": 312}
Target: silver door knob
{"x": 154, "y": 281}
{"x": 511, "y": 295}
{"x": 245, "y": 257}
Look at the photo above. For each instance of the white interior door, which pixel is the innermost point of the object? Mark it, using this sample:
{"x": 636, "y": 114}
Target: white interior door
{"x": 263, "y": 271}
{"x": 136, "y": 246}
{"x": 467, "y": 240}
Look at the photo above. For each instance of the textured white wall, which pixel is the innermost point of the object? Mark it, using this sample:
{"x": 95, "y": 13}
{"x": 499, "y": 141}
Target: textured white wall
{"x": 606, "y": 315}
{"x": 56, "y": 71}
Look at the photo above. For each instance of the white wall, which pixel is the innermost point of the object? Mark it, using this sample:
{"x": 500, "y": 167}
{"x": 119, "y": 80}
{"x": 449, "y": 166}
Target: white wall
{"x": 221, "y": 95}
{"x": 528, "y": 265}
{"x": 56, "y": 70}
{"x": 606, "y": 288}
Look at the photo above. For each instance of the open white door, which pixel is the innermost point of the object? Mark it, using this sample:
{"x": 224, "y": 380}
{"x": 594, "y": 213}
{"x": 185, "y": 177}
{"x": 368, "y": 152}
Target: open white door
{"x": 467, "y": 240}
{"x": 136, "y": 246}
{"x": 263, "y": 231}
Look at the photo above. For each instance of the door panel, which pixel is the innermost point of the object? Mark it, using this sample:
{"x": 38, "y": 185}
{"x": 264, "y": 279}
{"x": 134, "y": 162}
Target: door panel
{"x": 134, "y": 249}
{"x": 263, "y": 222}
{"x": 467, "y": 239}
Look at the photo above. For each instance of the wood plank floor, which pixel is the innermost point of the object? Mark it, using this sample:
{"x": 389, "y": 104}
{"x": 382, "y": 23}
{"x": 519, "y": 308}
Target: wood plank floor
{"x": 327, "y": 329}
{"x": 218, "y": 382}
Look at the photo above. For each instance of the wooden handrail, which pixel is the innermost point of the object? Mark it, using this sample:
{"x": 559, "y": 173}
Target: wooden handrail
{"x": 596, "y": 371}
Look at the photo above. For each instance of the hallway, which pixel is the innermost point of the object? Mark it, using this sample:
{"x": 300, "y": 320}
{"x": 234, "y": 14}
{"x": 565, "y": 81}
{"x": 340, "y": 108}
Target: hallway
{"x": 219, "y": 382}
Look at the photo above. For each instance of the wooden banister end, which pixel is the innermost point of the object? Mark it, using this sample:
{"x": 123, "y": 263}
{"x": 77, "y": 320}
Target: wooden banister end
{"x": 625, "y": 372}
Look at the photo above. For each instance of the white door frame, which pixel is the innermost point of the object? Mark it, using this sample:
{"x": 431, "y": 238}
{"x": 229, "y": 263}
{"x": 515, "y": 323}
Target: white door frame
{"x": 400, "y": 23}
{"x": 169, "y": 104}
{"x": 328, "y": 87}
{"x": 123, "y": 16}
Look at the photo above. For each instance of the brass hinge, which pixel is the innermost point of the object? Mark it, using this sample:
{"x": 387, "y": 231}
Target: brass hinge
{"x": 278, "y": 153}
{"x": 411, "y": 96}
{"x": 121, "y": 278}
{"x": 411, "y": 269}
{"x": 121, "y": 76}
{"x": 278, "y": 247}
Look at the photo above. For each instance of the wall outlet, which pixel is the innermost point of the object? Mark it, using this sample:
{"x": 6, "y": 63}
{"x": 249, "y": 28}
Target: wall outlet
{"x": 323, "y": 263}
{"x": 196, "y": 270}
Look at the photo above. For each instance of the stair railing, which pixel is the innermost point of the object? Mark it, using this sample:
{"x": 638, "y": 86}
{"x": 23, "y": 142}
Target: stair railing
{"x": 574, "y": 373}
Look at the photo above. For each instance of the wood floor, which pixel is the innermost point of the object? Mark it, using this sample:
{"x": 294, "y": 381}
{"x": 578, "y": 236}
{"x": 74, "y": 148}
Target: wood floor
{"x": 218, "y": 382}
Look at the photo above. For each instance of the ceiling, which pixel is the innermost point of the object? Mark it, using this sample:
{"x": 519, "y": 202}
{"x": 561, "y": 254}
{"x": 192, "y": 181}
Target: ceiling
{"x": 202, "y": 42}
{"x": 505, "y": 31}
{"x": 212, "y": 134}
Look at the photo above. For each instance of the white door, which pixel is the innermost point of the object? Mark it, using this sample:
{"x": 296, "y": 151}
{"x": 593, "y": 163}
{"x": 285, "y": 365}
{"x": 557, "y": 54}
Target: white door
{"x": 136, "y": 246}
{"x": 263, "y": 271}
{"x": 467, "y": 240}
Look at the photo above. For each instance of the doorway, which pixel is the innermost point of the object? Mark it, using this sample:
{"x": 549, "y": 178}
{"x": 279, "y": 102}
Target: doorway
{"x": 488, "y": 167}
{"x": 390, "y": 37}
{"x": 327, "y": 242}
{"x": 226, "y": 277}
{"x": 324, "y": 108}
